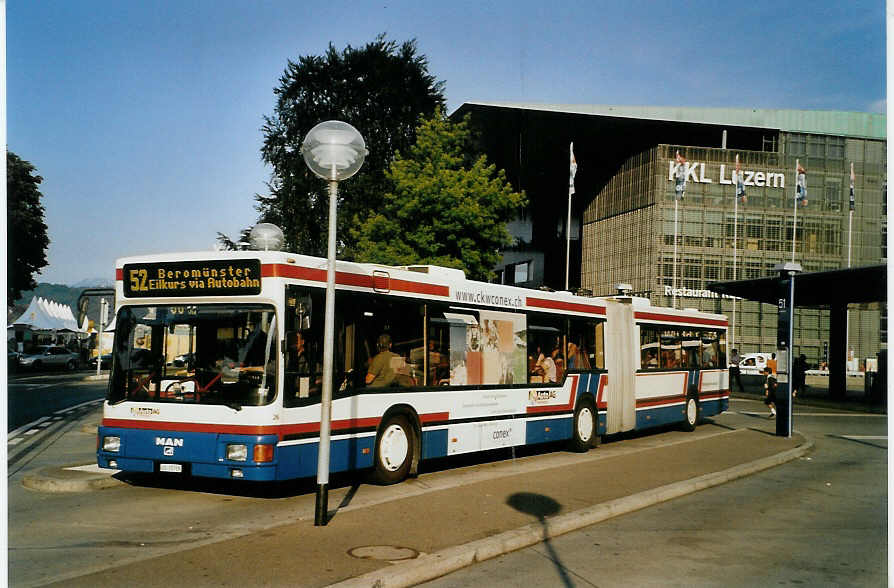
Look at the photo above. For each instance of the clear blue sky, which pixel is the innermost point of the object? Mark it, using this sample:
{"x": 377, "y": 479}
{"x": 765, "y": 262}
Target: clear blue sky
{"x": 144, "y": 117}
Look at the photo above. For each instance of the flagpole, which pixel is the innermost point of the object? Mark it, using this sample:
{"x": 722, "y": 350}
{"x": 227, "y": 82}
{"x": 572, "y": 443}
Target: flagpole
{"x": 795, "y": 219}
{"x": 681, "y": 171}
{"x": 674, "y": 290}
{"x": 735, "y": 255}
{"x": 850, "y": 221}
{"x": 735, "y": 247}
{"x": 850, "y": 217}
{"x": 572, "y": 172}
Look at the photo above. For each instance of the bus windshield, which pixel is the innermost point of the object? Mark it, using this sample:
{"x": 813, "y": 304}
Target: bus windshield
{"x": 221, "y": 354}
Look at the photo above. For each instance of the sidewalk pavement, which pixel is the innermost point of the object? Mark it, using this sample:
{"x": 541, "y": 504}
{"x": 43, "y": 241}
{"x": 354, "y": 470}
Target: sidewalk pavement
{"x": 817, "y": 394}
{"x": 425, "y": 529}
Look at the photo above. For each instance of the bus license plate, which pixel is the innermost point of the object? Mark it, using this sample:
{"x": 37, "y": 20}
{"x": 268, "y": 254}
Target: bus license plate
{"x": 171, "y": 467}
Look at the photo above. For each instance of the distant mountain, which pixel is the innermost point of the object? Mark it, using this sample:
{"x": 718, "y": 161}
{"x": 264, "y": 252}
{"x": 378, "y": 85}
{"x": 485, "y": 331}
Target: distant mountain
{"x": 94, "y": 283}
{"x": 66, "y": 295}
{"x": 56, "y": 292}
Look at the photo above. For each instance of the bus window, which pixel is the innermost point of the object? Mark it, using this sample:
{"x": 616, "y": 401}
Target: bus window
{"x": 304, "y": 344}
{"x": 598, "y": 360}
{"x": 691, "y": 344}
{"x": 721, "y": 349}
{"x": 483, "y": 347}
{"x": 581, "y": 344}
{"x": 546, "y": 360}
{"x": 388, "y": 337}
{"x": 438, "y": 373}
{"x": 648, "y": 347}
{"x": 670, "y": 350}
{"x": 230, "y": 358}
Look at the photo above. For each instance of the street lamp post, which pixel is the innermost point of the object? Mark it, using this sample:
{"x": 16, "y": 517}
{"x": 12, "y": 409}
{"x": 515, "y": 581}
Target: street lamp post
{"x": 334, "y": 151}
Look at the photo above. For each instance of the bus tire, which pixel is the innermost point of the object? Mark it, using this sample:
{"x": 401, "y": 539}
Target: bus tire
{"x": 583, "y": 434}
{"x": 394, "y": 450}
{"x": 692, "y": 413}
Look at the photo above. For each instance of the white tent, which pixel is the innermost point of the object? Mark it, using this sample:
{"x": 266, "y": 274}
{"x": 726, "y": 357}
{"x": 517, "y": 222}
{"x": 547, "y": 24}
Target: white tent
{"x": 46, "y": 315}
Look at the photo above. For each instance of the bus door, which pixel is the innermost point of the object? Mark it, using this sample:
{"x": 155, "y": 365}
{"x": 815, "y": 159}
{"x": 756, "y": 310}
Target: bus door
{"x": 621, "y": 352}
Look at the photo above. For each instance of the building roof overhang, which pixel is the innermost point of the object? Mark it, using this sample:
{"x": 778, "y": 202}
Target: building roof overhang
{"x": 831, "y": 288}
{"x": 825, "y": 122}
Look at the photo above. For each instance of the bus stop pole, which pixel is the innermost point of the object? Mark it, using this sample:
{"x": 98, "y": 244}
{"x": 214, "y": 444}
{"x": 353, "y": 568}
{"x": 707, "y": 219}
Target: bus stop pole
{"x": 785, "y": 346}
{"x": 321, "y": 511}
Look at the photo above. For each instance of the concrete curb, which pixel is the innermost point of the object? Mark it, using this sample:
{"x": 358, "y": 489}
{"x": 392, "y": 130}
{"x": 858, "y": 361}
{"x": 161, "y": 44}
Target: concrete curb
{"x": 430, "y": 566}
{"x": 60, "y": 479}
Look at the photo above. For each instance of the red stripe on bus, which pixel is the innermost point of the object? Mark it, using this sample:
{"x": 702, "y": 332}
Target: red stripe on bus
{"x": 280, "y": 270}
{"x": 660, "y": 401}
{"x": 192, "y": 427}
{"x": 714, "y": 396}
{"x": 279, "y": 430}
{"x": 119, "y": 274}
{"x": 561, "y": 305}
{"x": 654, "y": 316}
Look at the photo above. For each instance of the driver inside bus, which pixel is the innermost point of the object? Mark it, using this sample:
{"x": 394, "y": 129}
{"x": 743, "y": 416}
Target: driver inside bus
{"x": 386, "y": 368}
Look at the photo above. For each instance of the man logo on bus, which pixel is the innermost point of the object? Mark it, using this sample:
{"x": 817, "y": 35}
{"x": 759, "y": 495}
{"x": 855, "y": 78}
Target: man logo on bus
{"x": 169, "y": 441}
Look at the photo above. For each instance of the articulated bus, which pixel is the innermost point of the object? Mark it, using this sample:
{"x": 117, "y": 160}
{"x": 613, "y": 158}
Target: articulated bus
{"x": 217, "y": 366}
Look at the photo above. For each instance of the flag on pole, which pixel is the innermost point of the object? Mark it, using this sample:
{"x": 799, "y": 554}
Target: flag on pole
{"x": 573, "y": 170}
{"x": 801, "y": 190}
{"x": 681, "y": 171}
{"x": 852, "y": 203}
{"x": 740, "y": 182}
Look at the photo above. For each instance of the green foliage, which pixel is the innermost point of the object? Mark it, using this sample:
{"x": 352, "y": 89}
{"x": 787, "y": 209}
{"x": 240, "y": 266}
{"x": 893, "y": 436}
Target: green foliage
{"x": 381, "y": 89}
{"x": 26, "y": 237}
{"x": 445, "y": 207}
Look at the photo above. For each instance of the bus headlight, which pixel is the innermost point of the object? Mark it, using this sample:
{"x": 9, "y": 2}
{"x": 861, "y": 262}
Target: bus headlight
{"x": 112, "y": 444}
{"x": 237, "y": 452}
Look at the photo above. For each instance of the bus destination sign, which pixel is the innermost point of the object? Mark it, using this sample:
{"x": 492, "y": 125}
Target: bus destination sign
{"x": 234, "y": 277}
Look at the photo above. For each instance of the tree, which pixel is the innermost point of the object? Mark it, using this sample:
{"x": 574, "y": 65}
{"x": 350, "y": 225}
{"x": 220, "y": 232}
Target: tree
{"x": 382, "y": 89}
{"x": 26, "y": 232}
{"x": 446, "y": 207}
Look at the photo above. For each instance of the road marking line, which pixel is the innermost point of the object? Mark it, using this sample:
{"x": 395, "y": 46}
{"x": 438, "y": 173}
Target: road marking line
{"x": 861, "y": 437}
{"x": 12, "y": 434}
{"x": 76, "y": 406}
{"x": 32, "y": 432}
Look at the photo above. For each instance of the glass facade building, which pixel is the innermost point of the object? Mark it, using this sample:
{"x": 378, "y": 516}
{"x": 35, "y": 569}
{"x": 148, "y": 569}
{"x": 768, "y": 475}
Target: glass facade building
{"x": 623, "y": 228}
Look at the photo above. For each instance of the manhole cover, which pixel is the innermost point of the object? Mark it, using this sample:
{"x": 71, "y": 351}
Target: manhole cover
{"x": 383, "y": 552}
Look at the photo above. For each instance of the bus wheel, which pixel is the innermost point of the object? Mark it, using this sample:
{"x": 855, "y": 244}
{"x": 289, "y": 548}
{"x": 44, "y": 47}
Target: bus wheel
{"x": 394, "y": 451}
{"x": 692, "y": 413}
{"x": 584, "y": 426}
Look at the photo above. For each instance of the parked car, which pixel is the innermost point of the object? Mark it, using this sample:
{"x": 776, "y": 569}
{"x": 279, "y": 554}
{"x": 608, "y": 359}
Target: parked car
{"x": 12, "y": 361}
{"x": 753, "y": 364}
{"x": 106, "y": 362}
{"x": 50, "y": 356}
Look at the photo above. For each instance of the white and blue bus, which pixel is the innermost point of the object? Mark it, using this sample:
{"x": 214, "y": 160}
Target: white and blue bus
{"x": 217, "y": 359}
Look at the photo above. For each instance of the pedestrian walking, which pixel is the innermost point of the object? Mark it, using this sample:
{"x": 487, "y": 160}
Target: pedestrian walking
{"x": 770, "y": 391}
{"x": 735, "y": 374}
{"x": 799, "y": 377}
{"x": 772, "y": 363}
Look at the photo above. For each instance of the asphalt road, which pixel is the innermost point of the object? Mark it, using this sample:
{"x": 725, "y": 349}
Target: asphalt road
{"x": 31, "y": 396}
{"x": 816, "y": 521}
{"x": 59, "y": 537}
